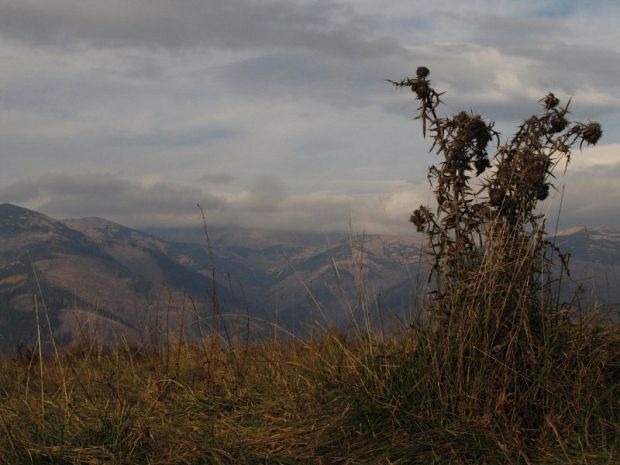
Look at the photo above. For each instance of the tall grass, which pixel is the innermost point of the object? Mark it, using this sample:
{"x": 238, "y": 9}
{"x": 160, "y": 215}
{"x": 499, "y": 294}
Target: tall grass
{"x": 408, "y": 400}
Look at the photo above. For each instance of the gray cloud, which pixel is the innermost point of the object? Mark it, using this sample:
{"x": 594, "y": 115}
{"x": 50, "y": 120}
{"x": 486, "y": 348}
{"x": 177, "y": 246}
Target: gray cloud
{"x": 20, "y": 191}
{"x": 233, "y": 24}
{"x": 264, "y": 204}
{"x": 592, "y": 197}
{"x": 216, "y": 177}
{"x": 512, "y": 32}
{"x": 77, "y": 194}
{"x": 186, "y": 137}
{"x": 504, "y": 81}
{"x": 306, "y": 75}
{"x": 143, "y": 70}
{"x": 266, "y": 194}
{"x": 267, "y": 204}
{"x": 174, "y": 90}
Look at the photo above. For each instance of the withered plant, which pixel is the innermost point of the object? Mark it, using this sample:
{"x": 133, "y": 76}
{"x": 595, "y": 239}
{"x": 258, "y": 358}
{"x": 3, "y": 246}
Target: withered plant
{"x": 486, "y": 206}
{"x": 499, "y": 327}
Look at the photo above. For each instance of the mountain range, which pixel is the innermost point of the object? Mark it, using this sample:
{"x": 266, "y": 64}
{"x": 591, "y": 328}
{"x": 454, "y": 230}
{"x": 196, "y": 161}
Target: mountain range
{"x": 92, "y": 277}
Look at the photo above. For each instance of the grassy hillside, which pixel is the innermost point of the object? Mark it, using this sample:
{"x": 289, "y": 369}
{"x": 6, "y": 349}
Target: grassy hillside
{"x": 332, "y": 400}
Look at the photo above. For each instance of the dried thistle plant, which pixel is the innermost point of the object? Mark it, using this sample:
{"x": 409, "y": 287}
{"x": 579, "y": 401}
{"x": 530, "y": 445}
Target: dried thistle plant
{"x": 486, "y": 206}
{"x": 499, "y": 333}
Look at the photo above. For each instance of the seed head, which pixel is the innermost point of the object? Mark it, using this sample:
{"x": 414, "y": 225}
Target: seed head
{"x": 550, "y": 101}
{"x": 557, "y": 124}
{"x": 496, "y": 196}
{"x": 542, "y": 192}
{"x": 421, "y": 89}
{"x": 420, "y": 218}
{"x": 592, "y": 133}
{"x": 422, "y": 72}
{"x": 481, "y": 164}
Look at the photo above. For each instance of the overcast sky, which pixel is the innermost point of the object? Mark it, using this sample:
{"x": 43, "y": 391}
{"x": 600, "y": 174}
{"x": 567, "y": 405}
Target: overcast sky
{"x": 276, "y": 113}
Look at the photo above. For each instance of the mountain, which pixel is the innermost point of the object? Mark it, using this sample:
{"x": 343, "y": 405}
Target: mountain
{"x": 301, "y": 278}
{"x": 97, "y": 278}
{"x": 92, "y": 275}
{"x": 594, "y": 263}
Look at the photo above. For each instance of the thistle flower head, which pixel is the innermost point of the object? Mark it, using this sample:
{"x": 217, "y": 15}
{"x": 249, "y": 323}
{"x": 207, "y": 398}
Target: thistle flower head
{"x": 592, "y": 133}
{"x": 550, "y": 101}
{"x": 422, "y": 72}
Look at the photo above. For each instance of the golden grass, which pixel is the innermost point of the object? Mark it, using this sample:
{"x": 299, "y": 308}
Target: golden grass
{"x": 328, "y": 401}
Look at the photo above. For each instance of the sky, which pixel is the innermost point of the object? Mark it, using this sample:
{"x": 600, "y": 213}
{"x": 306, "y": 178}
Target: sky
{"x": 276, "y": 114}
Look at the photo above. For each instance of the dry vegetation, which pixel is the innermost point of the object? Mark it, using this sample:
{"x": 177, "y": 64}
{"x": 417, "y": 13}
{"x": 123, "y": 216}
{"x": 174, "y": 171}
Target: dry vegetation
{"x": 325, "y": 401}
{"x": 501, "y": 372}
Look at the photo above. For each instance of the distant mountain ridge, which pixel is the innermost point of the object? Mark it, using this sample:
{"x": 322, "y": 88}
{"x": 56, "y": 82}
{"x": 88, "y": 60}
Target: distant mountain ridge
{"x": 594, "y": 262}
{"x": 99, "y": 276}
{"x": 600, "y": 244}
{"x": 85, "y": 273}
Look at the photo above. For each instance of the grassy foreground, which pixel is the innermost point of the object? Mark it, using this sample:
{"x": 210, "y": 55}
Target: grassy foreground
{"x": 326, "y": 401}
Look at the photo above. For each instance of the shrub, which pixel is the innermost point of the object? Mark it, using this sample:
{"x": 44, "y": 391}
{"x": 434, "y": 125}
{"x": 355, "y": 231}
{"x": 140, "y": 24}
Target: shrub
{"x": 504, "y": 350}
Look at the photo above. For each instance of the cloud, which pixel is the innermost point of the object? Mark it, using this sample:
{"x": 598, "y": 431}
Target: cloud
{"x": 266, "y": 194}
{"x": 233, "y": 24}
{"x": 78, "y": 194}
{"x": 592, "y": 196}
{"x": 216, "y": 177}
{"x": 267, "y": 202}
{"x": 264, "y": 204}
{"x": 20, "y": 191}
{"x": 267, "y": 205}
{"x": 307, "y": 76}
{"x": 513, "y": 31}
{"x": 325, "y": 212}
{"x": 602, "y": 155}
{"x": 185, "y": 137}
{"x": 505, "y": 83}
{"x": 206, "y": 94}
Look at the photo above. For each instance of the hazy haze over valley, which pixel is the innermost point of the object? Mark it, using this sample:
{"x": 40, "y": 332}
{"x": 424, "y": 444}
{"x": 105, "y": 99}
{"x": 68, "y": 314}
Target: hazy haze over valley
{"x": 95, "y": 276}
